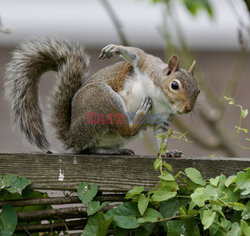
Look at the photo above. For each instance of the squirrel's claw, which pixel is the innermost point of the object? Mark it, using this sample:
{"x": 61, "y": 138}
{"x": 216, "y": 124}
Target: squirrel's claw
{"x": 109, "y": 51}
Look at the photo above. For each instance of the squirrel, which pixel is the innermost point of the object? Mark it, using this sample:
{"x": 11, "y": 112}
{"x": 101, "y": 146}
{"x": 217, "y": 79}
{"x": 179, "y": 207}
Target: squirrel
{"x": 99, "y": 113}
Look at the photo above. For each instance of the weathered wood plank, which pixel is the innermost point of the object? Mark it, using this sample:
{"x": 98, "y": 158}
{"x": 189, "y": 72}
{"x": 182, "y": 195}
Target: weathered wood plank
{"x": 111, "y": 173}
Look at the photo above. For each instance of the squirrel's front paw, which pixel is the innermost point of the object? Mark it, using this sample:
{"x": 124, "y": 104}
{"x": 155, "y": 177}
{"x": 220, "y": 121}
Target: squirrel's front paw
{"x": 109, "y": 51}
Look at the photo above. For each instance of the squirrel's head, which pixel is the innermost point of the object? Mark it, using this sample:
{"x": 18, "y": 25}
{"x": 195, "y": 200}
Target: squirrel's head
{"x": 179, "y": 86}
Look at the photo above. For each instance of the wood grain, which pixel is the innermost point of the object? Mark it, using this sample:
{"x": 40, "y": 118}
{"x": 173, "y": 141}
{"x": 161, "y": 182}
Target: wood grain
{"x": 111, "y": 173}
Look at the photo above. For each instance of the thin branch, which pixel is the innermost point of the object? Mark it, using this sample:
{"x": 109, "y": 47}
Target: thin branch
{"x": 62, "y": 213}
{"x": 116, "y": 22}
{"x": 72, "y": 225}
{"x": 61, "y": 200}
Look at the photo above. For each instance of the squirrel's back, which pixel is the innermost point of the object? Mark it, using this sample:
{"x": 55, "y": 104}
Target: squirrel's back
{"x": 28, "y": 63}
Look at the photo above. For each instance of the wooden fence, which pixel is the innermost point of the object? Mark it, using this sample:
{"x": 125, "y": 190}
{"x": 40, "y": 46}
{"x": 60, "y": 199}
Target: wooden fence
{"x": 114, "y": 175}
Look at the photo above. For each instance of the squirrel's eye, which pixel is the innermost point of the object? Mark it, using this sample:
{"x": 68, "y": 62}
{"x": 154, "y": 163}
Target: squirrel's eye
{"x": 175, "y": 85}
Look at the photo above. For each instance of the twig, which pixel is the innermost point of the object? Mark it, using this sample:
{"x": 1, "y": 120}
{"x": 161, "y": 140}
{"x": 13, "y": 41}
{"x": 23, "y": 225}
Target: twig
{"x": 72, "y": 225}
{"x": 61, "y": 200}
{"x": 66, "y": 227}
{"x": 115, "y": 21}
{"x": 64, "y": 213}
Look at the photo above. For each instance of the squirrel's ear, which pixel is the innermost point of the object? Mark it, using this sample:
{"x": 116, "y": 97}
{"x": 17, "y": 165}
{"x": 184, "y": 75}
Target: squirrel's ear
{"x": 192, "y": 67}
{"x": 173, "y": 63}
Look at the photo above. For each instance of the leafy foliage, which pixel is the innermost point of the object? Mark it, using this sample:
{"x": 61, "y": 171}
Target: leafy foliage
{"x": 243, "y": 114}
{"x": 219, "y": 206}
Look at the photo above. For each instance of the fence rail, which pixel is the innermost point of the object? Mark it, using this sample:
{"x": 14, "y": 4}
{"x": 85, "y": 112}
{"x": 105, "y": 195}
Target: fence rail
{"x": 111, "y": 173}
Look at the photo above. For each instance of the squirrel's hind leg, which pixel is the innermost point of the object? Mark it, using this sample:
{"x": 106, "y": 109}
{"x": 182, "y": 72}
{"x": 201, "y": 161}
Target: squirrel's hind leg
{"x": 98, "y": 112}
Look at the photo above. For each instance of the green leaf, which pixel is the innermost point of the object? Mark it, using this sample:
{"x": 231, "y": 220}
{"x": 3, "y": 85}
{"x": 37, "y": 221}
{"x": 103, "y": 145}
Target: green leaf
{"x": 244, "y": 113}
{"x": 103, "y": 224}
{"x": 207, "y": 218}
{"x": 182, "y": 210}
{"x": 216, "y": 207}
{"x": 199, "y": 197}
{"x": 135, "y": 191}
{"x": 151, "y": 215}
{"x": 235, "y": 230}
{"x": 238, "y": 206}
{"x": 125, "y": 215}
{"x": 245, "y": 228}
{"x": 247, "y": 139}
{"x": 195, "y": 176}
{"x": 97, "y": 225}
{"x": 142, "y": 204}
{"x": 94, "y": 206}
{"x": 171, "y": 207}
{"x": 231, "y": 179}
{"x": 168, "y": 166}
{"x": 163, "y": 193}
{"x": 214, "y": 181}
{"x": 243, "y": 181}
{"x": 145, "y": 230}
{"x": 126, "y": 222}
{"x": 157, "y": 164}
{"x": 86, "y": 193}
{"x": 166, "y": 176}
{"x": 8, "y": 220}
{"x": 14, "y": 183}
{"x": 187, "y": 227}
{"x": 246, "y": 213}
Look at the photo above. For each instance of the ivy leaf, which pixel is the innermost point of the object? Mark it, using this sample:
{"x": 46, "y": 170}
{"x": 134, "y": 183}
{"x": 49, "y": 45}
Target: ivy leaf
{"x": 231, "y": 179}
{"x": 246, "y": 213}
{"x": 97, "y": 225}
{"x": 238, "y": 206}
{"x": 14, "y": 183}
{"x": 94, "y": 206}
{"x": 125, "y": 215}
{"x": 244, "y": 113}
{"x": 168, "y": 166}
{"x": 245, "y": 227}
{"x": 199, "y": 197}
{"x": 214, "y": 181}
{"x": 207, "y": 218}
{"x": 243, "y": 181}
{"x": 135, "y": 191}
{"x": 126, "y": 222}
{"x": 183, "y": 227}
{"x": 195, "y": 176}
{"x": 103, "y": 224}
{"x": 163, "y": 193}
{"x": 151, "y": 215}
{"x": 8, "y": 220}
{"x": 142, "y": 204}
{"x": 86, "y": 193}
{"x": 157, "y": 164}
{"x": 166, "y": 176}
{"x": 144, "y": 230}
{"x": 235, "y": 230}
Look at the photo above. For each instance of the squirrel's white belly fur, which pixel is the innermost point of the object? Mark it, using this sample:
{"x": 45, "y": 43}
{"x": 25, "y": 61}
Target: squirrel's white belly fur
{"x": 135, "y": 89}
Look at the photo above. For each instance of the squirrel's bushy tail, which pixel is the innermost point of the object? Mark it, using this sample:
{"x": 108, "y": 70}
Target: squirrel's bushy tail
{"x": 29, "y": 62}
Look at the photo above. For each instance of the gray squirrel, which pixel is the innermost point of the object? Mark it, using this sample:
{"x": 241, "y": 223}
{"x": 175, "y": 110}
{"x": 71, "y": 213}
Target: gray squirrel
{"x": 103, "y": 112}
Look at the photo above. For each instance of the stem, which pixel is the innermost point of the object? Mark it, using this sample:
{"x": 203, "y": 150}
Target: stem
{"x": 116, "y": 22}
{"x": 177, "y": 217}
